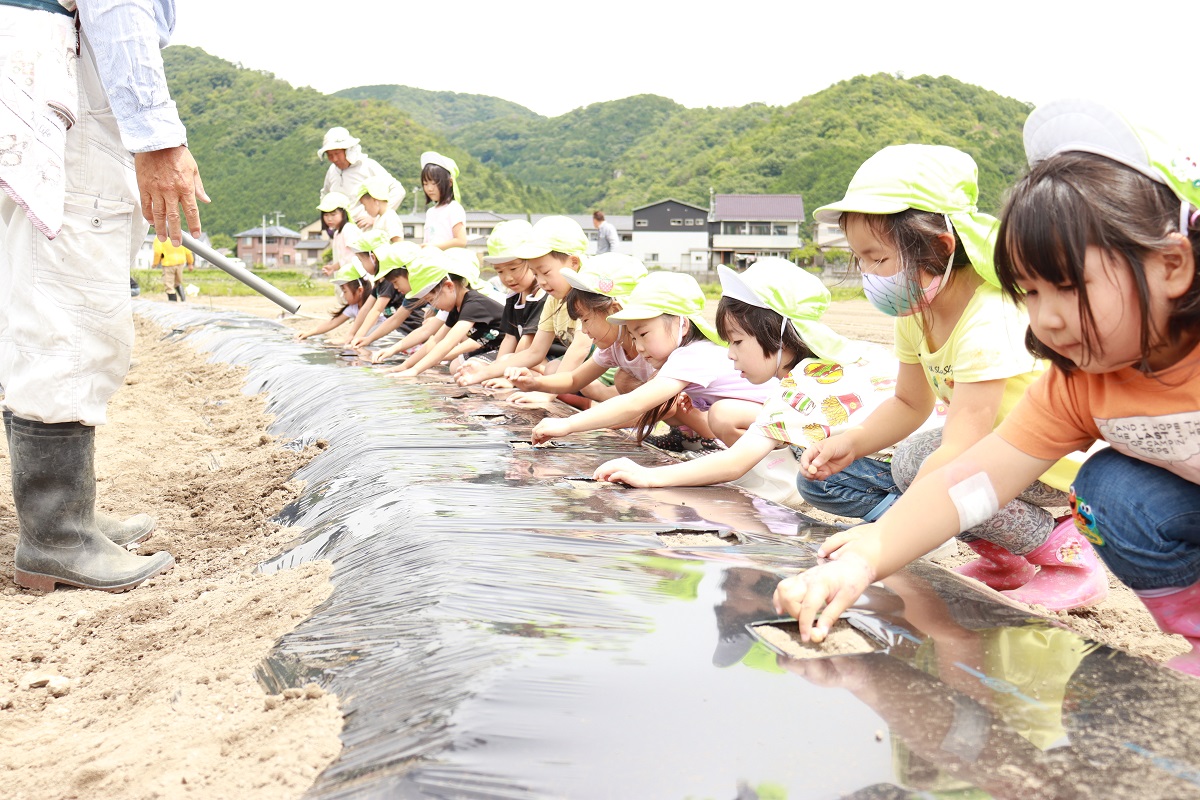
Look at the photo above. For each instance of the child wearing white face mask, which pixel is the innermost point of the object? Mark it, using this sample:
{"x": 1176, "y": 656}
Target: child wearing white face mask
{"x": 926, "y": 258}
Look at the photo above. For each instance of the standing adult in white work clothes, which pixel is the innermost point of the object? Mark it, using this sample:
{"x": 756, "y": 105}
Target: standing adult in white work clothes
{"x": 92, "y": 137}
{"x": 349, "y": 169}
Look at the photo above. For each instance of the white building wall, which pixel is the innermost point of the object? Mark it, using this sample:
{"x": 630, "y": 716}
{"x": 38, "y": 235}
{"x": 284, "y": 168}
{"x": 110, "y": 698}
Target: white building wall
{"x": 668, "y": 249}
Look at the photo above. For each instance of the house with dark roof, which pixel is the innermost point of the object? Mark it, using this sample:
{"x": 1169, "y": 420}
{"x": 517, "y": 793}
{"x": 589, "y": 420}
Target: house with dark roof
{"x": 746, "y": 227}
{"x": 671, "y": 234}
{"x": 273, "y": 246}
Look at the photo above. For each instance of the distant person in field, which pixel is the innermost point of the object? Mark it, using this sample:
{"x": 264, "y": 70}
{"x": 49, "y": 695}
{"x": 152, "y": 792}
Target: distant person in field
{"x": 349, "y": 169}
{"x": 172, "y": 259}
{"x": 606, "y": 234}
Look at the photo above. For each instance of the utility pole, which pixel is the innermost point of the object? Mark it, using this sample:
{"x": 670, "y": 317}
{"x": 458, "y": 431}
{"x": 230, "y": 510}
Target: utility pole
{"x": 264, "y": 240}
{"x": 278, "y": 214}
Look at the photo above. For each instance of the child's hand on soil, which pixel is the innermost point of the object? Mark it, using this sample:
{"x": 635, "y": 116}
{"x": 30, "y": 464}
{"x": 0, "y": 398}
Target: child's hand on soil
{"x": 469, "y": 373}
{"x": 522, "y": 378}
{"x": 379, "y": 355}
{"x": 549, "y": 429}
{"x": 407, "y": 373}
{"x": 834, "y": 584}
{"x": 496, "y": 383}
{"x": 624, "y": 470}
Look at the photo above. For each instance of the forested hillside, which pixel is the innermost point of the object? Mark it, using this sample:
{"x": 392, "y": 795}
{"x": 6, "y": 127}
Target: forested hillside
{"x": 812, "y": 147}
{"x": 625, "y": 153}
{"x": 440, "y": 111}
{"x": 256, "y": 139}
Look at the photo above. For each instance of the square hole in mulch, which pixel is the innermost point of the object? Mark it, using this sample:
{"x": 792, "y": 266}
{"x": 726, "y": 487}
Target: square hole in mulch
{"x": 843, "y": 640}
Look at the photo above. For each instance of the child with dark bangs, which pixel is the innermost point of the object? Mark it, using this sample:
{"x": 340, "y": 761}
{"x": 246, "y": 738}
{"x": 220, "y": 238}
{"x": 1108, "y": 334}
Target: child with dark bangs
{"x": 925, "y": 254}
{"x": 771, "y": 316}
{"x": 445, "y": 218}
{"x": 597, "y": 289}
{"x": 695, "y": 384}
{"x": 1101, "y": 243}
{"x": 471, "y": 319}
{"x": 351, "y": 288}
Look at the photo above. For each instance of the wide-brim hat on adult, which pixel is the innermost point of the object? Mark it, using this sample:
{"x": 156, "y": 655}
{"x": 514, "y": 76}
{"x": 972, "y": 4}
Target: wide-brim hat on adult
{"x": 795, "y": 294}
{"x": 1086, "y": 126}
{"x": 336, "y": 139}
{"x": 610, "y": 274}
{"x": 673, "y": 293}
{"x": 555, "y": 234}
{"x": 506, "y": 240}
{"x": 926, "y": 177}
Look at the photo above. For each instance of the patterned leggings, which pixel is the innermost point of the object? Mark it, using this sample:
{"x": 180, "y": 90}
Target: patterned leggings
{"x": 1019, "y": 527}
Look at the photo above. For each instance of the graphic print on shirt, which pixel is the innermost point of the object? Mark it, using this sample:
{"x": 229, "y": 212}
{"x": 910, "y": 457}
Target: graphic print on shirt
{"x": 1171, "y": 441}
{"x": 823, "y": 373}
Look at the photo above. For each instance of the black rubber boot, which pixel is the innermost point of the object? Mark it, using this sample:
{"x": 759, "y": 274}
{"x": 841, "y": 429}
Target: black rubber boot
{"x": 172, "y": 298}
{"x": 182, "y": 293}
{"x": 137, "y": 528}
{"x": 54, "y": 491}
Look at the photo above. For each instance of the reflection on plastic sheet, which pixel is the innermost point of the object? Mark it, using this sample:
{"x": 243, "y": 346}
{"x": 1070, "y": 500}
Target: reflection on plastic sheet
{"x": 502, "y": 627}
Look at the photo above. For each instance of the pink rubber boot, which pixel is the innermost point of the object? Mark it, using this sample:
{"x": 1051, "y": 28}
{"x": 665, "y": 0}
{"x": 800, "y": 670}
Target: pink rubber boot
{"x": 1070, "y": 576}
{"x": 1179, "y": 612}
{"x": 997, "y": 567}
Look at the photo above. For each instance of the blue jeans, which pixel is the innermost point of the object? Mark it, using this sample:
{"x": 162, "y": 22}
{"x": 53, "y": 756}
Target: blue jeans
{"x": 1143, "y": 521}
{"x": 863, "y": 490}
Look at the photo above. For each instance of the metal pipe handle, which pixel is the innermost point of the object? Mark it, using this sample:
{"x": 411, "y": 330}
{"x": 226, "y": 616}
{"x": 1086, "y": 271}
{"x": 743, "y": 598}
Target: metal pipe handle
{"x": 276, "y": 296}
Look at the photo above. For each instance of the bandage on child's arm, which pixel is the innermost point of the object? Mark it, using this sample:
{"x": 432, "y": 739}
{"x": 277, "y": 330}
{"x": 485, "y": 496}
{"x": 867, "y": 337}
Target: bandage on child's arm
{"x": 975, "y": 499}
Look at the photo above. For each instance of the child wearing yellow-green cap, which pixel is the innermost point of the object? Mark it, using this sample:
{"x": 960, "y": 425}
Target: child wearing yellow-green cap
{"x": 556, "y": 243}
{"x": 695, "y": 383}
{"x": 597, "y": 291}
{"x": 471, "y": 319}
{"x": 352, "y": 288}
{"x": 1101, "y": 242}
{"x": 445, "y": 218}
{"x": 523, "y": 306}
{"x": 336, "y": 223}
{"x": 926, "y": 253}
{"x": 771, "y": 316}
{"x": 384, "y": 299}
{"x": 373, "y": 196}
{"x": 400, "y": 313}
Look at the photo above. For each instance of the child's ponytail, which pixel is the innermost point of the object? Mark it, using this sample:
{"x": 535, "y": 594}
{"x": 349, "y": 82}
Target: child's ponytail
{"x": 648, "y": 420}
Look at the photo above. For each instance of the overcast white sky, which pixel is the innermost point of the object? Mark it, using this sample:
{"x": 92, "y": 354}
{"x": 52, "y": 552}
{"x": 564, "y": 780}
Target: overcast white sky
{"x": 553, "y": 56}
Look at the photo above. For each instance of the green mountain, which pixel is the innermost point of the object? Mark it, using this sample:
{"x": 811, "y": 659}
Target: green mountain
{"x": 577, "y": 155}
{"x": 621, "y": 154}
{"x": 812, "y": 147}
{"x": 440, "y": 111}
{"x": 256, "y": 140}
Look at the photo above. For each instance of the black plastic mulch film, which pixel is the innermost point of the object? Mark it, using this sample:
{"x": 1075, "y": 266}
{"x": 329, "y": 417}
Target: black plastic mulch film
{"x": 499, "y": 630}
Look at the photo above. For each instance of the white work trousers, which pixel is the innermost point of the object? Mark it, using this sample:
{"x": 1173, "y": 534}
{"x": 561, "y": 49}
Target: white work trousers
{"x": 66, "y": 328}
